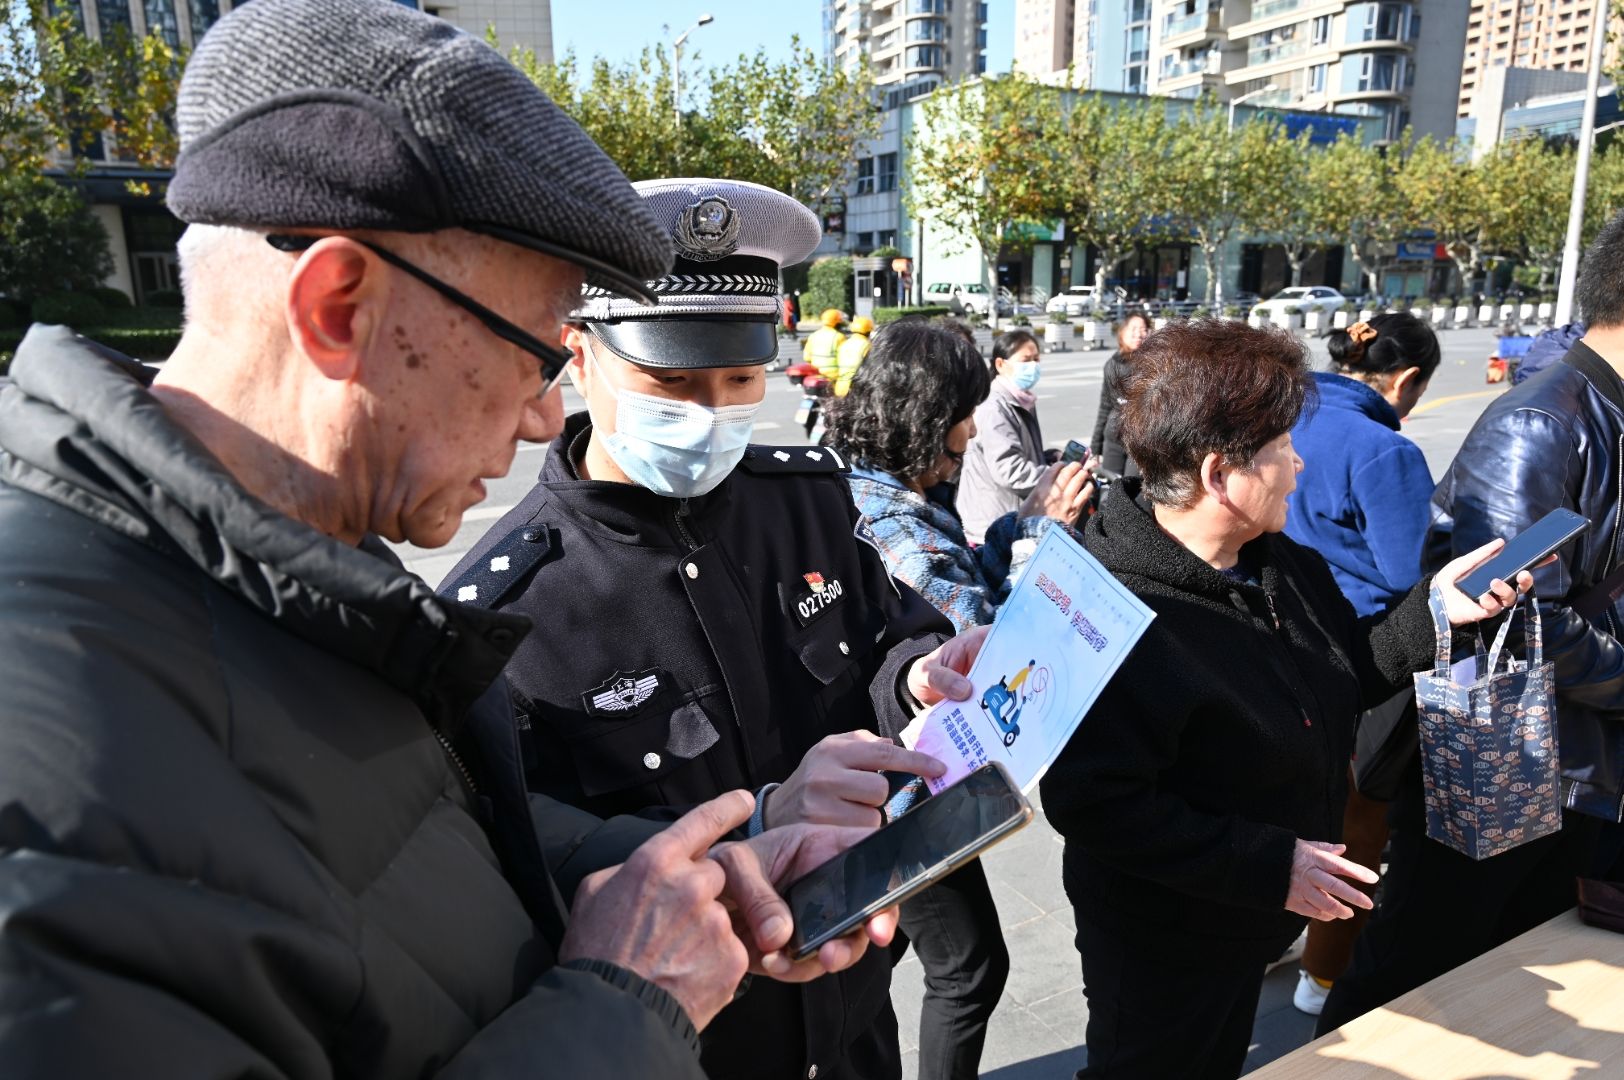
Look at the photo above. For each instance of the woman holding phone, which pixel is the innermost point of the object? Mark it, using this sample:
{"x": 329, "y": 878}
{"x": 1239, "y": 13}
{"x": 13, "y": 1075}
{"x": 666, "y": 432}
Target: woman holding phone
{"x": 1201, "y": 798}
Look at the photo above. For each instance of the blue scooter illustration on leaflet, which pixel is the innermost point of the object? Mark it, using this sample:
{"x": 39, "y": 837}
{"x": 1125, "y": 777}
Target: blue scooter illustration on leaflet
{"x": 1005, "y": 701}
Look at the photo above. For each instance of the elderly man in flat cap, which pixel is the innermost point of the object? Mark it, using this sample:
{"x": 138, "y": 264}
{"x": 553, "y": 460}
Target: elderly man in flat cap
{"x": 261, "y": 809}
{"x": 731, "y": 622}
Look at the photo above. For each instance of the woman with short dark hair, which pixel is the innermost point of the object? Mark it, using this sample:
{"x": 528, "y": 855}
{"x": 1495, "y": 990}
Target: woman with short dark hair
{"x": 1107, "y": 441}
{"x": 904, "y": 427}
{"x": 1200, "y": 799}
{"x": 1006, "y": 458}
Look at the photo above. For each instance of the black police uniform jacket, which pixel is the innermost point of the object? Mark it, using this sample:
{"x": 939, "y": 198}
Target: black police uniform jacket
{"x": 700, "y": 645}
{"x": 231, "y": 842}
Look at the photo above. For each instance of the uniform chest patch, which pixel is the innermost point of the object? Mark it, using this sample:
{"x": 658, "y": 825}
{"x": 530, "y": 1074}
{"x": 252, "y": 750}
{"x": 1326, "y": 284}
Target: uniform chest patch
{"x": 622, "y": 693}
{"x": 818, "y": 596}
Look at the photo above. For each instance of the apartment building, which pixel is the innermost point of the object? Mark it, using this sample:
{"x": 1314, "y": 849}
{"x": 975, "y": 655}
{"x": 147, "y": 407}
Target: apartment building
{"x": 1106, "y": 44}
{"x": 922, "y": 43}
{"x": 1549, "y": 35}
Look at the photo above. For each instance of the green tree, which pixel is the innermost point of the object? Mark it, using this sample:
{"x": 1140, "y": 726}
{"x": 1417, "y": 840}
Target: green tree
{"x": 1604, "y": 198}
{"x": 976, "y": 159}
{"x": 49, "y": 240}
{"x": 1100, "y": 175}
{"x": 1302, "y": 222}
{"x": 792, "y": 124}
{"x": 1220, "y": 181}
{"x": 1537, "y": 186}
{"x": 1461, "y": 201}
{"x": 1358, "y": 184}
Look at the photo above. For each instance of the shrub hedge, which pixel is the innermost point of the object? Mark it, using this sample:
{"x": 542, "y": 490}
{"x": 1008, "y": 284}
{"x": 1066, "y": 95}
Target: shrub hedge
{"x": 892, "y": 314}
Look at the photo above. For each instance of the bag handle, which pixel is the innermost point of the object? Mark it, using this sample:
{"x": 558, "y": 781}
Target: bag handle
{"x": 1535, "y": 638}
{"x": 1444, "y": 636}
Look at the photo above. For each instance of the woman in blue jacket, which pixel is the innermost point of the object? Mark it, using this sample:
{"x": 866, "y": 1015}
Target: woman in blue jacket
{"x": 1362, "y": 503}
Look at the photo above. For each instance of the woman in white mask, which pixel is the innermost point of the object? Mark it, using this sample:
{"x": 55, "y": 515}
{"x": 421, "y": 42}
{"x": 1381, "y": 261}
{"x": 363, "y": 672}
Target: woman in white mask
{"x": 1006, "y": 458}
{"x": 728, "y": 622}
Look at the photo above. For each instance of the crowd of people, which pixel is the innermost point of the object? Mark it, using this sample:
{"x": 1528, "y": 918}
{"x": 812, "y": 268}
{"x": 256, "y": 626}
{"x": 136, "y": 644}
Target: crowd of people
{"x": 271, "y": 805}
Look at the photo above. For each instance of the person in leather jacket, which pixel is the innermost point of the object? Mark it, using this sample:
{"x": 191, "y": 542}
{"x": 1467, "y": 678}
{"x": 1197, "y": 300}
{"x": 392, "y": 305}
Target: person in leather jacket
{"x": 1554, "y": 441}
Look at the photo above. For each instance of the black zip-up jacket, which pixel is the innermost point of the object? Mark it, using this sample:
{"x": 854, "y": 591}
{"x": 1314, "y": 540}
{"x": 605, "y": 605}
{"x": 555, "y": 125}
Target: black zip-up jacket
{"x": 1558, "y": 440}
{"x": 698, "y": 645}
{"x": 231, "y": 841}
{"x": 1107, "y": 438}
{"x": 1223, "y": 738}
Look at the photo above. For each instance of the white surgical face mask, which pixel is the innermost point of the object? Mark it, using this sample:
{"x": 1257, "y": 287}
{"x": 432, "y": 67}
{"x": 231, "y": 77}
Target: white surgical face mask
{"x": 675, "y": 448}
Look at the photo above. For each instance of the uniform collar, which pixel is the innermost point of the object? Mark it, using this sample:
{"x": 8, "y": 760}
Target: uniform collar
{"x": 625, "y": 513}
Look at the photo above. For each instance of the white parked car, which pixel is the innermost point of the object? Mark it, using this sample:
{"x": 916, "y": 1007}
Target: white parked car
{"x": 1304, "y": 298}
{"x": 965, "y": 298}
{"x": 1076, "y": 301}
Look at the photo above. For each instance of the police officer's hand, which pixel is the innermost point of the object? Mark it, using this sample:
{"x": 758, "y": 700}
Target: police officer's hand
{"x": 660, "y": 913}
{"x": 838, "y": 781}
{"x": 941, "y": 674}
{"x": 759, "y": 867}
{"x": 1061, "y": 493}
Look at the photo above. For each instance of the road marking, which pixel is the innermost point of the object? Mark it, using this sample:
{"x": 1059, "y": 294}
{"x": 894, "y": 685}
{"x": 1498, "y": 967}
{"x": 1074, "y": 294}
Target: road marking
{"x": 1429, "y": 406}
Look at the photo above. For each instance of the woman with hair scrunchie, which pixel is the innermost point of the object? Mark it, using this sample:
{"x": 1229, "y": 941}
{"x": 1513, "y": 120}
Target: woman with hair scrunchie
{"x": 904, "y": 427}
{"x": 1364, "y": 504}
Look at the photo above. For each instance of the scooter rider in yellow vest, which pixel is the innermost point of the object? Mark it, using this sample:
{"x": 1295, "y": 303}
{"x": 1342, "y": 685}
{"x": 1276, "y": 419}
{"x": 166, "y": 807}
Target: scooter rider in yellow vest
{"x": 852, "y": 352}
{"x": 822, "y": 349}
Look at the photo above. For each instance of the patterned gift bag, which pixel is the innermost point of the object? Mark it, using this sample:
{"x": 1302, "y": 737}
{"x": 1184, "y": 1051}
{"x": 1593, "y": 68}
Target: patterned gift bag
{"x": 1488, "y": 742}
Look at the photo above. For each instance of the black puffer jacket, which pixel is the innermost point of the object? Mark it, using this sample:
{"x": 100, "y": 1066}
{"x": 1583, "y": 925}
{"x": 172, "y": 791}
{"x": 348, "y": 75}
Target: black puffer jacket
{"x": 1107, "y": 439}
{"x": 1558, "y": 440}
{"x": 231, "y": 843}
{"x": 1222, "y": 739}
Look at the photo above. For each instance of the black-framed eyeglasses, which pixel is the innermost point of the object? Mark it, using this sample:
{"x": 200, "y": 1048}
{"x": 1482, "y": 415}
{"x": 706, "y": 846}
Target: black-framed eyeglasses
{"x": 552, "y": 358}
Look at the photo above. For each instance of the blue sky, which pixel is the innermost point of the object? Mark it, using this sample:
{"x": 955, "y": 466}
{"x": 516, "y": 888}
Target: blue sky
{"x": 619, "y": 29}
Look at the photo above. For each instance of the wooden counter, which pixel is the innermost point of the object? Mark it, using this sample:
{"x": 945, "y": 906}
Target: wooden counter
{"x": 1548, "y": 1005}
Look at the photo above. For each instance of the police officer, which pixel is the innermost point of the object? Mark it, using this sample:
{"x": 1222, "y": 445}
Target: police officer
{"x": 729, "y": 620}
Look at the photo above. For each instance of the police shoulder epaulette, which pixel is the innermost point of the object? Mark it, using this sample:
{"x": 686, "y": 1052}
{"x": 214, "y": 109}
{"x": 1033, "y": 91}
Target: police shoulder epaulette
{"x": 770, "y": 460}
{"x": 490, "y": 578}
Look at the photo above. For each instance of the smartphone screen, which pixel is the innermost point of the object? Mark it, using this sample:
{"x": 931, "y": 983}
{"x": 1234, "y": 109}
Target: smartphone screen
{"x": 1525, "y": 550}
{"x": 904, "y": 856}
{"x": 1074, "y": 451}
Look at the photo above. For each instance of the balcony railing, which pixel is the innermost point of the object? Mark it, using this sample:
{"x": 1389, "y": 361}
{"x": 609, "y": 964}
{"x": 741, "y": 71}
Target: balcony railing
{"x": 1173, "y": 26}
{"x": 1280, "y": 50}
{"x": 1262, "y": 9}
{"x": 1201, "y": 65}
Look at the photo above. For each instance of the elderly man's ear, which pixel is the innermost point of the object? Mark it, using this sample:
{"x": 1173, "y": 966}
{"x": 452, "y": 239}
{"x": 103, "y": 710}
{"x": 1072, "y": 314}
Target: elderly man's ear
{"x": 336, "y": 299}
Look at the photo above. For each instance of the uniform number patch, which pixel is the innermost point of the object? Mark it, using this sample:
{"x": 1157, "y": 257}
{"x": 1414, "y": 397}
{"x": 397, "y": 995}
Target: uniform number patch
{"x": 820, "y": 594}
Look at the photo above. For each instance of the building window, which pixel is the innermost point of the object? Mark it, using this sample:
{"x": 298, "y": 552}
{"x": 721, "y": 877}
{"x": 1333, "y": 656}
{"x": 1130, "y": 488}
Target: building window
{"x": 887, "y": 238}
{"x": 865, "y": 241}
{"x": 865, "y": 176}
{"x": 205, "y": 13}
{"x": 112, "y": 14}
{"x": 887, "y": 176}
{"x": 1321, "y": 33}
{"x": 161, "y": 21}
{"x": 1316, "y": 78}
{"x": 923, "y": 56}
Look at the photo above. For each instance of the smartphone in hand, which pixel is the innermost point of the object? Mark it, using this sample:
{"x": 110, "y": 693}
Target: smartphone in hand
{"x": 1524, "y": 551}
{"x": 1074, "y": 451}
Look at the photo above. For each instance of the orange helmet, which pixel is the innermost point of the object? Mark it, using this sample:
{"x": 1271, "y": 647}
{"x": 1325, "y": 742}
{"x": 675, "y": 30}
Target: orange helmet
{"x": 862, "y": 325}
{"x": 832, "y": 317}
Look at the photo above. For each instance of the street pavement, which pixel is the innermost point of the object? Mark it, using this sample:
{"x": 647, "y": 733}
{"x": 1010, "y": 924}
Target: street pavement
{"x": 1037, "y": 1031}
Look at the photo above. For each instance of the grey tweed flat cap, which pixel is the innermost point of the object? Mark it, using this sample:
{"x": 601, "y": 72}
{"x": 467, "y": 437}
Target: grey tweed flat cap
{"x": 365, "y": 114}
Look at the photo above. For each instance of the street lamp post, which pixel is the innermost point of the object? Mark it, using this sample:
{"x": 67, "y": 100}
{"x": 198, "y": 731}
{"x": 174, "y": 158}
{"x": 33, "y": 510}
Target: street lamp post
{"x": 1581, "y": 177}
{"x": 676, "y": 64}
{"x": 1218, "y": 286}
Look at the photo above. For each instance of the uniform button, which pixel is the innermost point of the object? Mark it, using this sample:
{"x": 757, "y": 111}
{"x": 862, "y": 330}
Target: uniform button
{"x": 651, "y": 760}
{"x": 530, "y": 536}
{"x": 691, "y": 570}
{"x": 812, "y": 1073}
{"x": 845, "y": 649}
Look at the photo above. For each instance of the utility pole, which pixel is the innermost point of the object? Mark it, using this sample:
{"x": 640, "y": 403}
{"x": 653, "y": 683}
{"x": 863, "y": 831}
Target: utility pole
{"x": 1581, "y": 176}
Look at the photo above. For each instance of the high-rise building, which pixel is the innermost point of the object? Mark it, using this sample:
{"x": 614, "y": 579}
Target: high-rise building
{"x": 1104, "y": 43}
{"x": 527, "y": 24}
{"x": 1549, "y": 35}
{"x": 922, "y": 43}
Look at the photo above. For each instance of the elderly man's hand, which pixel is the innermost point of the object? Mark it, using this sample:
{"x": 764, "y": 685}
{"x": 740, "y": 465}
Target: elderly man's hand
{"x": 941, "y": 674}
{"x": 758, "y": 868}
{"x": 660, "y": 913}
{"x": 840, "y": 781}
{"x": 1465, "y": 609}
{"x": 1317, "y": 889}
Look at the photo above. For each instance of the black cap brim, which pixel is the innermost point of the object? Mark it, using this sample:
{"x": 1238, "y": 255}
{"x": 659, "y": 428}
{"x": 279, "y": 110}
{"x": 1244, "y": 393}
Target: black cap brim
{"x": 690, "y": 343}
